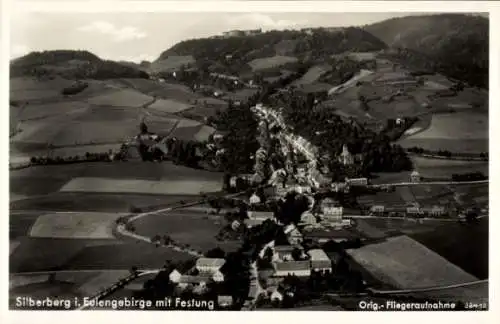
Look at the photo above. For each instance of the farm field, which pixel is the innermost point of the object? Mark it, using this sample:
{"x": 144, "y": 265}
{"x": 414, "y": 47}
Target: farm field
{"x": 464, "y": 245}
{"x": 83, "y": 149}
{"x": 41, "y": 180}
{"x": 171, "y": 63}
{"x": 75, "y": 225}
{"x": 313, "y": 74}
{"x": 174, "y": 91}
{"x": 185, "y": 227}
{"x": 270, "y": 62}
{"x": 40, "y": 254}
{"x": 405, "y": 263}
{"x": 387, "y": 199}
{"x": 445, "y": 168}
{"x": 456, "y": 132}
{"x": 94, "y": 133}
{"x": 162, "y": 187}
{"x": 40, "y": 111}
{"x": 95, "y": 202}
{"x": 28, "y": 89}
{"x": 168, "y": 106}
{"x": 194, "y": 132}
{"x": 121, "y": 98}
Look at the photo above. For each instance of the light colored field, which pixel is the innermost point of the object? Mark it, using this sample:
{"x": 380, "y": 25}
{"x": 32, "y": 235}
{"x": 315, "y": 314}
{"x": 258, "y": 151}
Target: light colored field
{"x": 162, "y": 187}
{"x": 187, "y": 123}
{"x": 313, "y": 74}
{"x": 121, "y": 98}
{"x": 95, "y": 133}
{"x": 457, "y": 126}
{"x": 39, "y": 111}
{"x": 174, "y": 91}
{"x": 75, "y": 225}
{"x": 405, "y": 263}
{"x": 172, "y": 63}
{"x": 169, "y": 106}
{"x": 269, "y": 62}
{"x": 103, "y": 280}
{"x": 204, "y": 133}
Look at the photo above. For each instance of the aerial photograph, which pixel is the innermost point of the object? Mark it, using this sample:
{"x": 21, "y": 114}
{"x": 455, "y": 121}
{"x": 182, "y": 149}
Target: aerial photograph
{"x": 249, "y": 161}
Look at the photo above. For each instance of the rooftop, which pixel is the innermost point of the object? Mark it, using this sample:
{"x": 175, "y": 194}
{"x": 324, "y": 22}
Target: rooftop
{"x": 286, "y": 248}
{"x": 318, "y": 254}
{"x": 194, "y": 279}
{"x": 210, "y": 262}
{"x": 292, "y": 266}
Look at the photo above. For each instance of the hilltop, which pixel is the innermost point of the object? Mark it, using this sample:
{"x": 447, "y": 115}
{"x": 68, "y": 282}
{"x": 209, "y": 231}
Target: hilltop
{"x": 307, "y": 44}
{"x": 454, "y": 44}
{"x": 71, "y": 64}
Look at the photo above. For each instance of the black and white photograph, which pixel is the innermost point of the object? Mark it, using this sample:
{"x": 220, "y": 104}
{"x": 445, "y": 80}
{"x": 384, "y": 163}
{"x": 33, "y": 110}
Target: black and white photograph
{"x": 248, "y": 161}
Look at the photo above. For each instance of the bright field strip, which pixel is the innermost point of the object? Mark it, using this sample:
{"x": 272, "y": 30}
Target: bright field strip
{"x": 121, "y": 98}
{"x": 86, "y": 225}
{"x": 165, "y": 187}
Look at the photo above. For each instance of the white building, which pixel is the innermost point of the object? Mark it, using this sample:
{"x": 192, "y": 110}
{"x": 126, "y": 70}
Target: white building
{"x": 346, "y": 158}
{"x": 293, "y": 268}
{"x": 210, "y": 265}
{"x": 357, "y": 181}
{"x": 308, "y": 218}
{"x": 415, "y": 176}
{"x": 283, "y": 253}
{"x": 320, "y": 260}
{"x": 294, "y": 236}
{"x": 254, "y": 199}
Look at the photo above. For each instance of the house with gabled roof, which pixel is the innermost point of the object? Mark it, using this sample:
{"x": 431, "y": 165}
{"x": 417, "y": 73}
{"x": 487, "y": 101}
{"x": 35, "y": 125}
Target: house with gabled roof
{"x": 292, "y": 268}
{"x": 320, "y": 260}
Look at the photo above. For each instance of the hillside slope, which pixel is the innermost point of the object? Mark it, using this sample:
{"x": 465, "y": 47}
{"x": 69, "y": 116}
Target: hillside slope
{"x": 71, "y": 65}
{"x": 319, "y": 43}
{"x": 453, "y": 44}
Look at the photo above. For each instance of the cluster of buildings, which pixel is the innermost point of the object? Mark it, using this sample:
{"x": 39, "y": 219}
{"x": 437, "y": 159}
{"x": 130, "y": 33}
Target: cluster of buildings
{"x": 239, "y": 33}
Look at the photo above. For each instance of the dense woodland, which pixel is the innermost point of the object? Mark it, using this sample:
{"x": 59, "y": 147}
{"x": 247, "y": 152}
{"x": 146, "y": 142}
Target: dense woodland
{"x": 77, "y": 65}
{"x": 456, "y": 45}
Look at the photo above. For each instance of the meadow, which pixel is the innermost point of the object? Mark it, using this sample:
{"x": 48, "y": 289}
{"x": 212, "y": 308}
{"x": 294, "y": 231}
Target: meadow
{"x": 270, "y": 62}
{"x": 121, "y": 98}
{"x": 459, "y": 132}
{"x": 445, "y": 168}
{"x": 76, "y": 225}
{"x": 185, "y": 227}
{"x": 171, "y": 63}
{"x": 168, "y": 106}
{"x": 405, "y": 263}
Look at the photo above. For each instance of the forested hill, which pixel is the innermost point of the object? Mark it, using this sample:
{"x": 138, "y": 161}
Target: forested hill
{"x": 313, "y": 44}
{"x": 454, "y": 44}
{"x": 72, "y": 65}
